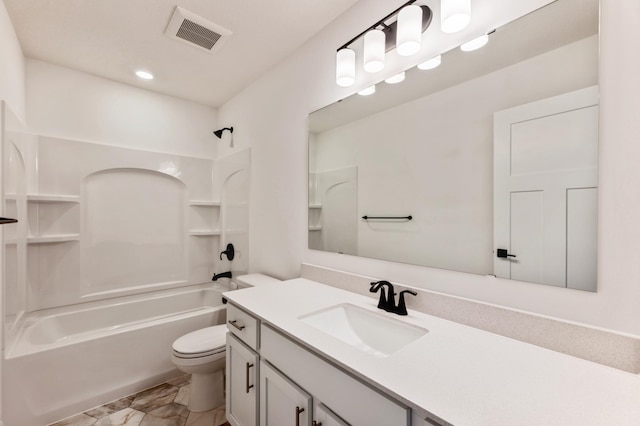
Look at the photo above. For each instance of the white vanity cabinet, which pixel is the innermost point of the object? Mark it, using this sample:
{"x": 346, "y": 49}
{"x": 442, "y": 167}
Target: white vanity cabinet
{"x": 243, "y": 380}
{"x": 282, "y": 402}
{"x": 296, "y": 386}
{"x": 346, "y": 398}
{"x": 241, "y": 383}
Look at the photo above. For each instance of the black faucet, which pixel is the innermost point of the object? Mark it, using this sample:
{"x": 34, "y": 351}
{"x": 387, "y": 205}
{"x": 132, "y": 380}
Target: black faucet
{"x": 388, "y": 302}
{"x": 221, "y": 275}
{"x": 401, "y": 309}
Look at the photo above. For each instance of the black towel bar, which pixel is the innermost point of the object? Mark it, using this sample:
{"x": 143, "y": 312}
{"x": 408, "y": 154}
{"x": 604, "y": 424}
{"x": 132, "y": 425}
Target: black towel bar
{"x": 365, "y": 217}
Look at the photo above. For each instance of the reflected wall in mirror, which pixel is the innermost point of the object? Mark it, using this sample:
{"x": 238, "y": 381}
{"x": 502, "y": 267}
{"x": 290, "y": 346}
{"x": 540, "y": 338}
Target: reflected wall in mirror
{"x": 493, "y": 154}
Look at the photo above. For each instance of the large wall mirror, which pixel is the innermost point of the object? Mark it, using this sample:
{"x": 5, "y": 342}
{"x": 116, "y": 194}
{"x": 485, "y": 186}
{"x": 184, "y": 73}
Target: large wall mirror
{"x": 493, "y": 155}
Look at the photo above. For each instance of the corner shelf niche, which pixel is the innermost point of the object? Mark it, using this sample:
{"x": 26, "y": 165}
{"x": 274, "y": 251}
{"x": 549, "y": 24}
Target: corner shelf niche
{"x": 62, "y": 219}
{"x": 204, "y": 217}
{"x": 315, "y": 211}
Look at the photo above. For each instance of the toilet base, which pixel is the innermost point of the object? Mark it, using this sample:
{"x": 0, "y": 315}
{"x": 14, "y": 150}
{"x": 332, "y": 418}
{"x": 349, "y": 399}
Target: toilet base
{"x": 206, "y": 391}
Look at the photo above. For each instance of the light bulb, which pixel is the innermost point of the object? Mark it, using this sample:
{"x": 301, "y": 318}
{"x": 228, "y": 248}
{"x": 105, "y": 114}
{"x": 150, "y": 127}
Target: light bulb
{"x": 455, "y": 15}
{"x": 409, "y": 30}
{"x": 475, "y": 44}
{"x": 368, "y": 91}
{"x": 431, "y": 63}
{"x": 345, "y": 67}
{"x": 374, "y": 51}
{"x": 395, "y": 79}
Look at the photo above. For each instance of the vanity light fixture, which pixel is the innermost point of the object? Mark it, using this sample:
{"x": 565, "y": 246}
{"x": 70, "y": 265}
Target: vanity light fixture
{"x": 345, "y": 67}
{"x": 374, "y": 51}
{"x": 475, "y": 44}
{"x": 368, "y": 91}
{"x": 455, "y": 15}
{"x": 431, "y": 63}
{"x": 409, "y": 34}
{"x": 403, "y": 34}
{"x": 144, "y": 75}
{"x": 395, "y": 78}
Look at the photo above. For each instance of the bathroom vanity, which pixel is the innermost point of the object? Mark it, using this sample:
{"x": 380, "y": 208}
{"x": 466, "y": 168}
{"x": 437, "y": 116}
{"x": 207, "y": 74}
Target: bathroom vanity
{"x": 304, "y": 353}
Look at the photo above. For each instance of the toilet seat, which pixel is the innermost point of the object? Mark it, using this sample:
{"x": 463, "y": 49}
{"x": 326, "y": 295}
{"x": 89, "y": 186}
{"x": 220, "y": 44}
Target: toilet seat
{"x": 201, "y": 343}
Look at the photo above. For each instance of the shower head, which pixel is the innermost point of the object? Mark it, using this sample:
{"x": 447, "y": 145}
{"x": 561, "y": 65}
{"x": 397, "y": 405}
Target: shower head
{"x": 218, "y": 133}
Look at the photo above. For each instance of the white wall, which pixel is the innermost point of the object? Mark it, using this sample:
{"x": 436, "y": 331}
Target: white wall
{"x": 74, "y": 105}
{"x": 12, "y": 91}
{"x": 11, "y": 66}
{"x": 271, "y": 115}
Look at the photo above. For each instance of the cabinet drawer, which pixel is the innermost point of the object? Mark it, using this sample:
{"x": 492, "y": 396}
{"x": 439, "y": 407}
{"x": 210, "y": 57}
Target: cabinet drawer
{"x": 349, "y": 398}
{"x": 243, "y": 325}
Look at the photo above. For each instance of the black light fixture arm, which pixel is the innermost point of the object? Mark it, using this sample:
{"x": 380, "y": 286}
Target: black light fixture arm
{"x": 380, "y": 22}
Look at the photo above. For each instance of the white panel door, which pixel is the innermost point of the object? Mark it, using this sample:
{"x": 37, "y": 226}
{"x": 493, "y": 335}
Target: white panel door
{"x": 545, "y": 190}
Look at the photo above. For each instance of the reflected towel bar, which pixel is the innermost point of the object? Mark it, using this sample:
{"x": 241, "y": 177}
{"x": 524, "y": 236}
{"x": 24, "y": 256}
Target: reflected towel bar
{"x": 365, "y": 217}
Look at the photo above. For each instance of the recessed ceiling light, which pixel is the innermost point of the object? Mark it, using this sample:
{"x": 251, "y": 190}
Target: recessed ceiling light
{"x": 145, "y": 75}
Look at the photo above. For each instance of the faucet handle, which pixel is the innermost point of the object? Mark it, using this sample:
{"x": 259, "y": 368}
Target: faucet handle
{"x": 382, "y": 302}
{"x": 402, "y": 307}
{"x": 387, "y": 302}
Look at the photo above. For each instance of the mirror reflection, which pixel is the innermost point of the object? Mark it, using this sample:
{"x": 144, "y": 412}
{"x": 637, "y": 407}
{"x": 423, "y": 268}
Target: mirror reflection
{"x": 493, "y": 154}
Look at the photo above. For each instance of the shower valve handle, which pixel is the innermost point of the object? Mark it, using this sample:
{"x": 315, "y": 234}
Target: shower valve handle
{"x": 229, "y": 252}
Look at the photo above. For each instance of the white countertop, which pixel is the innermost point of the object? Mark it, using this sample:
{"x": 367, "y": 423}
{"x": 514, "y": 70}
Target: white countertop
{"x": 457, "y": 373}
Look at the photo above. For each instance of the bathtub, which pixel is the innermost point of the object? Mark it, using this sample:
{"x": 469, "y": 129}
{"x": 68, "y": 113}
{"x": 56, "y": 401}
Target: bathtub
{"x": 67, "y": 360}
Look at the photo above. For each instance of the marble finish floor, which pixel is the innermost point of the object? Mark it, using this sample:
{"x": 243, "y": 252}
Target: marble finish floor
{"x": 162, "y": 405}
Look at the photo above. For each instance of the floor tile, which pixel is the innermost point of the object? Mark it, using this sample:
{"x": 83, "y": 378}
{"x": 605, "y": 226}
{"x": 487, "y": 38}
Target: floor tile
{"x": 162, "y": 405}
{"x": 77, "y": 420}
{"x": 111, "y": 407}
{"x": 126, "y": 417}
{"x": 215, "y": 417}
{"x": 183, "y": 396}
{"x": 155, "y": 397}
{"x": 180, "y": 381}
{"x": 171, "y": 411}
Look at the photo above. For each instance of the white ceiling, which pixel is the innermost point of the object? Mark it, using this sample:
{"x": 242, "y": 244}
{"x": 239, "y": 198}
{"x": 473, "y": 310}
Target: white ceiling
{"x": 112, "y": 38}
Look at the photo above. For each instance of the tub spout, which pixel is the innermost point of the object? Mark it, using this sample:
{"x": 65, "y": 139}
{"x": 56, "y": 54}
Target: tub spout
{"x": 221, "y": 275}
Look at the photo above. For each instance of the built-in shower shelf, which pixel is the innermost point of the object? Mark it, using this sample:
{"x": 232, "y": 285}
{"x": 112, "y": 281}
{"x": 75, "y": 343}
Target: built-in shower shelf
{"x": 315, "y": 206}
{"x": 61, "y": 238}
{"x": 46, "y": 198}
{"x": 204, "y": 233}
{"x": 197, "y": 203}
{"x": 315, "y": 228}
{"x": 236, "y": 231}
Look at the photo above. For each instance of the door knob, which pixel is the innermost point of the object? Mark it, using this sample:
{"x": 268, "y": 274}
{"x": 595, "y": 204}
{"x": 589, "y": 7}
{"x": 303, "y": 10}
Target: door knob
{"x": 504, "y": 253}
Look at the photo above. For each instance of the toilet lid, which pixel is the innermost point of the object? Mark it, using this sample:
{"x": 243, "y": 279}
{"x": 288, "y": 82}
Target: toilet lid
{"x": 204, "y": 340}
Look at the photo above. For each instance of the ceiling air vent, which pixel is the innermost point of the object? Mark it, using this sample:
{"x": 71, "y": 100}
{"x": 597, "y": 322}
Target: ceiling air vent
{"x": 195, "y": 30}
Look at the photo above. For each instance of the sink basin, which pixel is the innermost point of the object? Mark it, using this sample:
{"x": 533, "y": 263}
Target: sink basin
{"x": 371, "y": 332}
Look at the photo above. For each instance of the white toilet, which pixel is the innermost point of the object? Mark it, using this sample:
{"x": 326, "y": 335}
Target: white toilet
{"x": 201, "y": 353}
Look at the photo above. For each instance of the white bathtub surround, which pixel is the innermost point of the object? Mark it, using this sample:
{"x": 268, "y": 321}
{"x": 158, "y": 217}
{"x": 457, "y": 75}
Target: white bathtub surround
{"x": 602, "y": 346}
{"x": 73, "y": 369}
{"x": 455, "y": 373}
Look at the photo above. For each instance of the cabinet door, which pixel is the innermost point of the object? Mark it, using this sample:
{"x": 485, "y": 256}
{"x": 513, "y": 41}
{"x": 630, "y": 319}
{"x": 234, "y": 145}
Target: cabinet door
{"x": 282, "y": 402}
{"x": 323, "y": 416}
{"x": 242, "y": 383}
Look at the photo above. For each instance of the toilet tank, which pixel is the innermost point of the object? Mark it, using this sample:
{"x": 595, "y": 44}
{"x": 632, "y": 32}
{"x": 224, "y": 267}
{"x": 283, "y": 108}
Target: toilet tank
{"x": 254, "y": 280}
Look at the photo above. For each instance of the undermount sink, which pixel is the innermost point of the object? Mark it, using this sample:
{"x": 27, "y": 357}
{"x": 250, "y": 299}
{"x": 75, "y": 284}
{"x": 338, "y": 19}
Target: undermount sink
{"x": 371, "y": 332}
